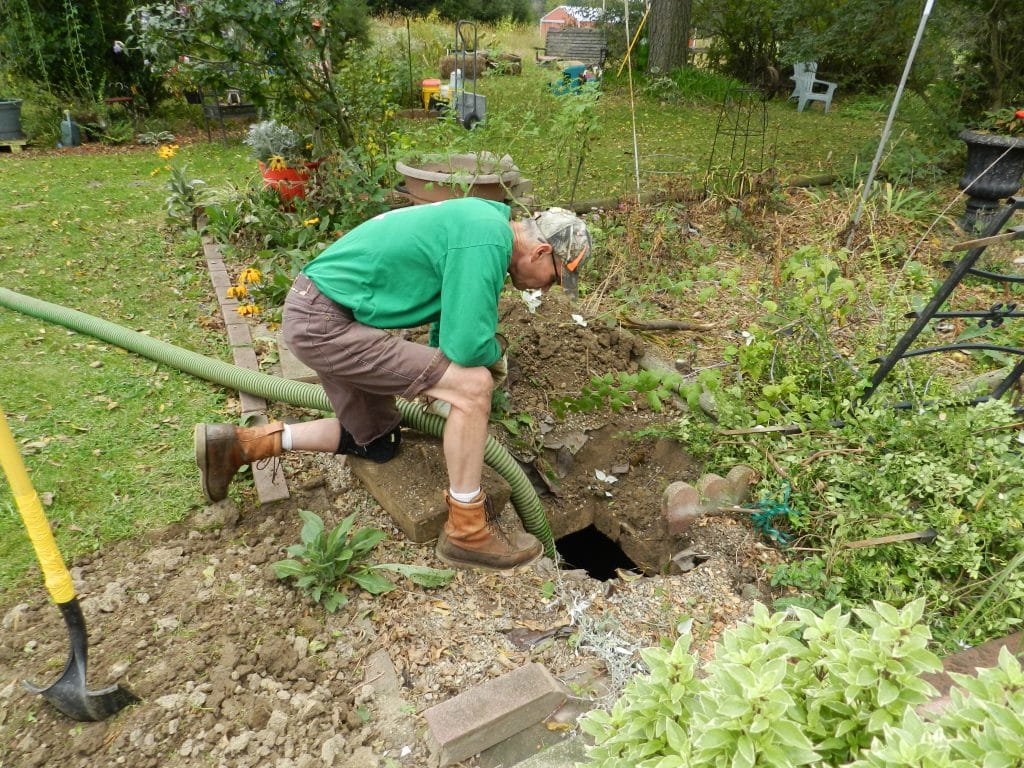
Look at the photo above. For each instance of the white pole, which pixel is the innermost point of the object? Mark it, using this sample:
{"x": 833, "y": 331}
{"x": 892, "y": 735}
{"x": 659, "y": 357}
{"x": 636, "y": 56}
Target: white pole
{"x": 632, "y": 111}
{"x": 888, "y": 123}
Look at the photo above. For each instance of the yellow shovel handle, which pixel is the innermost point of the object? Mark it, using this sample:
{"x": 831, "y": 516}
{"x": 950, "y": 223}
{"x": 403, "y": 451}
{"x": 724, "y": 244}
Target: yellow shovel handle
{"x": 55, "y": 573}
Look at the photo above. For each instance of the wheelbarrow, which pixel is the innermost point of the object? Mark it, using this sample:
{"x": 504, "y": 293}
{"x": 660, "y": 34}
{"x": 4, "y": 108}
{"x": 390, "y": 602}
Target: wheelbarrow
{"x": 68, "y": 693}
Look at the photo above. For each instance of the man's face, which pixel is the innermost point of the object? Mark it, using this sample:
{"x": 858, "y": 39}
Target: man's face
{"x": 533, "y": 265}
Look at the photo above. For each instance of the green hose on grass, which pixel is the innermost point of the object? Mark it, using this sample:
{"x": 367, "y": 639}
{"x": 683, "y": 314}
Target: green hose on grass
{"x": 276, "y": 389}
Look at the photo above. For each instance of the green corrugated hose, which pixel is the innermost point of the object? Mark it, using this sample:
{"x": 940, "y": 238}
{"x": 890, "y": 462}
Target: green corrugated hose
{"x": 279, "y": 390}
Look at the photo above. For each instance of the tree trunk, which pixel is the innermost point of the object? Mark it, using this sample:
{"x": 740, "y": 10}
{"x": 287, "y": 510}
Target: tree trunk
{"x": 669, "y": 35}
{"x": 995, "y": 23}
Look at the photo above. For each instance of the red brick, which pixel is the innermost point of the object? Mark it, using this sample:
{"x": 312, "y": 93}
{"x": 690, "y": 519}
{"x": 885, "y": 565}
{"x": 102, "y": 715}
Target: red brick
{"x": 491, "y": 712}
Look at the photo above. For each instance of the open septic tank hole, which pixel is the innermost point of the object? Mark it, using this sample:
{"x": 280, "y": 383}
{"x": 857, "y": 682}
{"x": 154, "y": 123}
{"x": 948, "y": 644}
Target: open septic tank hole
{"x": 594, "y": 552}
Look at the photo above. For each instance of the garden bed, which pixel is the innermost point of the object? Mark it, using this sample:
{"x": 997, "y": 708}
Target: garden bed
{"x": 235, "y": 667}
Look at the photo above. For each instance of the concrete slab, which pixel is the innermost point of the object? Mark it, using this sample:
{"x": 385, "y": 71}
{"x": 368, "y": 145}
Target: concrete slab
{"x": 238, "y": 335}
{"x": 412, "y": 485}
{"x": 491, "y": 712}
{"x": 291, "y": 367}
{"x": 391, "y": 709}
{"x": 566, "y": 754}
{"x": 221, "y": 282}
{"x": 245, "y": 357}
{"x": 251, "y": 403}
{"x": 536, "y": 739}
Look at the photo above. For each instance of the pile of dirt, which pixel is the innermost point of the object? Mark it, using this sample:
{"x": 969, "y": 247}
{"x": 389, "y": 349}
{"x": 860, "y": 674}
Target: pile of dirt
{"x": 236, "y": 668}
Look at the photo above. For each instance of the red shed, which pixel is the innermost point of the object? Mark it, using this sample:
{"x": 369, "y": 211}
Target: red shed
{"x": 569, "y": 16}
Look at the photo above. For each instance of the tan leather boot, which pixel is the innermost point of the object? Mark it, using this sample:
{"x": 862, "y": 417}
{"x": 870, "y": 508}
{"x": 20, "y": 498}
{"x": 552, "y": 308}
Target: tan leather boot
{"x": 471, "y": 538}
{"x": 222, "y": 448}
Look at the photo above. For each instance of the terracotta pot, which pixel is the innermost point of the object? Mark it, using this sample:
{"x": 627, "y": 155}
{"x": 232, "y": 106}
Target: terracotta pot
{"x": 995, "y": 166}
{"x": 444, "y": 177}
{"x": 289, "y": 182}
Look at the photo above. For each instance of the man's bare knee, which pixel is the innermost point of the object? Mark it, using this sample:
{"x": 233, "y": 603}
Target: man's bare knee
{"x": 477, "y": 384}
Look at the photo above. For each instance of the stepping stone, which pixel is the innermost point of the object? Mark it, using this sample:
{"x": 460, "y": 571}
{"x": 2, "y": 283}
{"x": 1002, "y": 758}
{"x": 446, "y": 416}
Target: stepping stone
{"x": 291, "y": 367}
{"x": 412, "y": 485}
{"x": 566, "y": 754}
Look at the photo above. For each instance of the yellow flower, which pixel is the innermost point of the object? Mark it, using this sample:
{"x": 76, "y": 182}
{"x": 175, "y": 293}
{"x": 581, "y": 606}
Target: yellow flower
{"x": 277, "y": 163}
{"x": 249, "y": 275}
{"x": 167, "y": 151}
{"x": 248, "y": 309}
{"x": 311, "y": 222}
{"x": 154, "y": 172}
{"x": 237, "y": 291}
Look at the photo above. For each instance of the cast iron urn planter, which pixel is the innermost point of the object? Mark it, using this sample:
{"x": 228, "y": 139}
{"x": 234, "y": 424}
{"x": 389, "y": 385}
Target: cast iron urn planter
{"x": 986, "y": 186}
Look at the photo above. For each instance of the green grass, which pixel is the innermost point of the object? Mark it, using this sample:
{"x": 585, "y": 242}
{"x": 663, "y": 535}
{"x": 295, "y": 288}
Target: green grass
{"x": 106, "y": 432}
{"x": 675, "y": 129}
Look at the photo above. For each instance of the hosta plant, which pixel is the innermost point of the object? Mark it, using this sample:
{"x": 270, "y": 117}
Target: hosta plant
{"x": 841, "y": 690}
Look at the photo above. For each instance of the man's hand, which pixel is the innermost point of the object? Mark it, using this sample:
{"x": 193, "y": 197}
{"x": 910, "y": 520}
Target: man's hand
{"x": 499, "y": 368}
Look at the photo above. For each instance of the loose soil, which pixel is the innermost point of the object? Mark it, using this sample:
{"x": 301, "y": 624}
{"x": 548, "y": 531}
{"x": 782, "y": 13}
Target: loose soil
{"x": 237, "y": 668}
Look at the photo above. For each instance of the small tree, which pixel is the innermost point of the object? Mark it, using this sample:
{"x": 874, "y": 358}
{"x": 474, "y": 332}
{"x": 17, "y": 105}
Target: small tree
{"x": 285, "y": 53}
{"x": 743, "y": 33}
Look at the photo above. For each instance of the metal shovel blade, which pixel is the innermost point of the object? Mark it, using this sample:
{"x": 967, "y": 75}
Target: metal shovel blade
{"x": 69, "y": 693}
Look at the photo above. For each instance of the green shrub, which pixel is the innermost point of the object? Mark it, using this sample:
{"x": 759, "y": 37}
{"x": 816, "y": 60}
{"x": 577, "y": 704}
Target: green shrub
{"x": 794, "y": 688}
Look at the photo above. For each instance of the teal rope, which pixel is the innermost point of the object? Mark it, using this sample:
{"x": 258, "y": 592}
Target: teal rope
{"x": 770, "y": 509}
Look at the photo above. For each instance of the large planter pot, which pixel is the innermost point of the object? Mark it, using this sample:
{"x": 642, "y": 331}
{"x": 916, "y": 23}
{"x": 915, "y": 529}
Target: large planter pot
{"x": 433, "y": 178}
{"x": 289, "y": 183}
{"x": 995, "y": 166}
{"x": 10, "y": 119}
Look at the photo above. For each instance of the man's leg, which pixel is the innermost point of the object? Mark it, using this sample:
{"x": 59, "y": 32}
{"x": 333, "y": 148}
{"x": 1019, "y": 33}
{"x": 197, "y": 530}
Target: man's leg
{"x": 471, "y": 536}
{"x": 321, "y": 435}
{"x": 465, "y": 434}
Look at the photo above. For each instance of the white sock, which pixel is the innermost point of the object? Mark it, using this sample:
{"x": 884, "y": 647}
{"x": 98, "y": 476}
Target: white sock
{"x": 465, "y": 498}
{"x": 286, "y": 439}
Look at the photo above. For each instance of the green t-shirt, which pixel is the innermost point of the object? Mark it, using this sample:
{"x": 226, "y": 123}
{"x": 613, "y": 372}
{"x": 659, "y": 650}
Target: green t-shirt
{"x": 443, "y": 263}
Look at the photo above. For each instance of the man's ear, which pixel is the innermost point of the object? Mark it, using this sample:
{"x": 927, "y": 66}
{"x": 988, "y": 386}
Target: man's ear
{"x": 542, "y": 250}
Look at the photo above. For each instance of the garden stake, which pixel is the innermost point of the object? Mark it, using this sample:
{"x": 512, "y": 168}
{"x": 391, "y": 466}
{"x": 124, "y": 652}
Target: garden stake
{"x": 1013, "y": 233}
{"x": 925, "y": 537}
{"x": 68, "y": 693}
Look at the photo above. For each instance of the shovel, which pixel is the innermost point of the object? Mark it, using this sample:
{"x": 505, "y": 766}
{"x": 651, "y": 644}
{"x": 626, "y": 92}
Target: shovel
{"x": 68, "y": 693}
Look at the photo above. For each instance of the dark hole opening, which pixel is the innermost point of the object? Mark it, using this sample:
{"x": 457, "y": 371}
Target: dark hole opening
{"x": 594, "y": 552}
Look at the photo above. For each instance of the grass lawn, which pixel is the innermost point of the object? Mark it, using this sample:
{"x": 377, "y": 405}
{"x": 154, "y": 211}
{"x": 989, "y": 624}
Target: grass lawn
{"x": 544, "y": 135}
{"x": 106, "y": 434}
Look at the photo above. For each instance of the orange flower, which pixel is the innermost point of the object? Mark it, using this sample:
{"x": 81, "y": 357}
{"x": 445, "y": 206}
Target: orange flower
{"x": 248, "y": 309}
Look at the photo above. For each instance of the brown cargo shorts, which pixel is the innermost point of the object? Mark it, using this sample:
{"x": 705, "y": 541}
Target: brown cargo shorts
{"x": 362, "y": 369}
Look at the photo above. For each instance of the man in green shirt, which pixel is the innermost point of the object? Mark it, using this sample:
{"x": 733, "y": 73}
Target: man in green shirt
{"x": 443, "y": 264}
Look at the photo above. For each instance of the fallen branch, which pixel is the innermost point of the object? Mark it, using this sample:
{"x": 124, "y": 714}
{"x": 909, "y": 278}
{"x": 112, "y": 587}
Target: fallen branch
{"x": 818, "y": 454}
{"x": 926, "y": 537}
{"x": 666, "y": 325}
{"x": 784, "y": 428}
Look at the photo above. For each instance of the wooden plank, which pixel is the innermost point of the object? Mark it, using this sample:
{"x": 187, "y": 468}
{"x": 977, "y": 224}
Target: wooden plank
{"x": 14, "y": 145}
